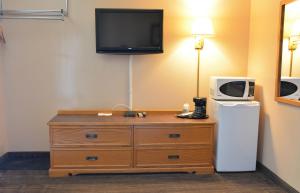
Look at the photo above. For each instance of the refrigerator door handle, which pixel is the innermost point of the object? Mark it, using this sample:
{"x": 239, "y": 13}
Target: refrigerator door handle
{"x": 240, "y": 105}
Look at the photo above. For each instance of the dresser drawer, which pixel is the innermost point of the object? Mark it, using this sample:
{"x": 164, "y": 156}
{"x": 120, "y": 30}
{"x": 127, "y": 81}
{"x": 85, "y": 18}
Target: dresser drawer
{"x": 173, "y": 136}
{"x": 91, "y": 136}
{"x": 118, "y": 158}
{"x": 173, "y": 157}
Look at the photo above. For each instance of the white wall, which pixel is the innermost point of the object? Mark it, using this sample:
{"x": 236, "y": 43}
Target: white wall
{"x": 52, "y": 65}
{"x": 279, "y": 129}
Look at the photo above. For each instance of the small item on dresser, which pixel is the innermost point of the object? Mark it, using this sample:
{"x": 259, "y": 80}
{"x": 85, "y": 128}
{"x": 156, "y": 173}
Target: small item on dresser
{"x": 104, "y": 114}
{"x": 200, "y": 108}
{"x": 186, "y": 108}
{"x": 141, "y": 114}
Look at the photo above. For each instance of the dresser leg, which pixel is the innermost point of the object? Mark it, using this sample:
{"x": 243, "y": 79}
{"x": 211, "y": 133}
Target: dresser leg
{"x": 206, "y": 170}
{"x": 58, "y": 173}
{"x": 198, "y": 173}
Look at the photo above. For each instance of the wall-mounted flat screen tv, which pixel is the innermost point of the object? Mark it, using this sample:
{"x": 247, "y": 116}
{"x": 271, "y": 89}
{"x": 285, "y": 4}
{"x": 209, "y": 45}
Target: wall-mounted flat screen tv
{"x": 129, "y": 31}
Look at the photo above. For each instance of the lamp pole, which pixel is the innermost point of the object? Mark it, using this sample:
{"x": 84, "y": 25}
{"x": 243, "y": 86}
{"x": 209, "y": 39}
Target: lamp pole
{"x": 291, "y": 63}
{"x": 200, "y": 103}
{"x": 201, "y": 29}
{"x": 292, "y": 48}
{"x": 198, "y": 71}
{"x": 198, "y": 46}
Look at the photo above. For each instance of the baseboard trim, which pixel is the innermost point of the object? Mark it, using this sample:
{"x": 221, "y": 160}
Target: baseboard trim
{"x": 275, "y": 178}
{"x": 24, "y": 161}
{"x": 29, "y": 154}
{"x": 3, "y": 158}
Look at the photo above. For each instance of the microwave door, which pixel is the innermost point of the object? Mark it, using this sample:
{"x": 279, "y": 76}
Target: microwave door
{"x": 234, "y": 90}
{"x": 288, "y": 90}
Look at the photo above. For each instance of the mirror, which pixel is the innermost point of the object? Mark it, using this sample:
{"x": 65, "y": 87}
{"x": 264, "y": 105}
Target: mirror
{"x": 288, "y": 75}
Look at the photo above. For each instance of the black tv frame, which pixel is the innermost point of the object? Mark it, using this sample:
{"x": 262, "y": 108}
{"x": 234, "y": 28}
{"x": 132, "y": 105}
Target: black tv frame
{"x": 127, "y": 51}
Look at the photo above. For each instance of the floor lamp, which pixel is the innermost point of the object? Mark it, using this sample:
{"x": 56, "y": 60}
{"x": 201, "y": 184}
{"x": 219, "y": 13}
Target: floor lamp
{"x": 201, "y": 29}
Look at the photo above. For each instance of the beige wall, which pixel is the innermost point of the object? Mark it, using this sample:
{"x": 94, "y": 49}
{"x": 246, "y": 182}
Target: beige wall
{"x": 51, "y": 65}
{"x": 279, "y": 129}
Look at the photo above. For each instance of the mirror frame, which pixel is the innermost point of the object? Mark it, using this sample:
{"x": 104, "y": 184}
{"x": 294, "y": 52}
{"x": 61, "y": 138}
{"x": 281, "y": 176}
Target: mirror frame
{"x": 278, "y": 98}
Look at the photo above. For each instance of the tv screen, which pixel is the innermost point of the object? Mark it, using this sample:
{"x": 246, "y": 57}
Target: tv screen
{"x": 129, "y": 31}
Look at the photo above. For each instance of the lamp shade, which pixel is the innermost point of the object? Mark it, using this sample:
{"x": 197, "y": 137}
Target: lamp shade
{"x": 295, "y": 31}
{"x": 203, "y": 27}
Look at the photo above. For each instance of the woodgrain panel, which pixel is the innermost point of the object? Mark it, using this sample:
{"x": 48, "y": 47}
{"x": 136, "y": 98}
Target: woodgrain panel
{"x": 118, "y": 158}
{"x": 160, "y": 135}
{"x": 118, "y": 119}
{"x": 173, "y": 157}
{"x": 91, "y": 136}
{"x": 55, "y": 172}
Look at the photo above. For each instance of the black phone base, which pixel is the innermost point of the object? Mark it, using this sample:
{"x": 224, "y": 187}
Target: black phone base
{"x": 198, "y": 117}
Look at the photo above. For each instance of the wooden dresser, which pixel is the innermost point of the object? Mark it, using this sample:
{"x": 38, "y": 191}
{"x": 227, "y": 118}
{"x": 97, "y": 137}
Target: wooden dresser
{"x": 82, "y": 142}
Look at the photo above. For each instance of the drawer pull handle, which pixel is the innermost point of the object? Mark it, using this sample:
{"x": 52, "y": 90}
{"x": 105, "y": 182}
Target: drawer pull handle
{"x": 174, "y": 136}
{"x": 91, "y": 136}
{"x": 173, "y": 157}
{"x": 91, "y": 158}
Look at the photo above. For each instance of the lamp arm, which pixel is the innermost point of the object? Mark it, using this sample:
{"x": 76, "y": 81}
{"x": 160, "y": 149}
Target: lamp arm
{"x": 297, "y": 41}
{"x": 291, "y": 63}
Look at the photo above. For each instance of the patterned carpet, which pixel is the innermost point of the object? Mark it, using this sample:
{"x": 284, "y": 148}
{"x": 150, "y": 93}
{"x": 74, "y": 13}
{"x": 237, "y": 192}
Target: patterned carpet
{"x": 37, "y": 181}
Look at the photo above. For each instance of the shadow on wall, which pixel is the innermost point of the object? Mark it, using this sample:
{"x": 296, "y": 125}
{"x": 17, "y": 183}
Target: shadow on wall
{"x": 264, "y": 123}
{"x": 259, "y": 97}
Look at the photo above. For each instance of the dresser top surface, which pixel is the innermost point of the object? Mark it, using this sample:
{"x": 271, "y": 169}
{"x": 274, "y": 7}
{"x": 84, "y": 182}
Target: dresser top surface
{"x": 164, "y": 117}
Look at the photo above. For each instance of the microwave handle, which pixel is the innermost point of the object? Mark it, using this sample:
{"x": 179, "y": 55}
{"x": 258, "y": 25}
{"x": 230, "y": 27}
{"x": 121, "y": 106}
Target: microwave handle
{"x": 247, "y": 87}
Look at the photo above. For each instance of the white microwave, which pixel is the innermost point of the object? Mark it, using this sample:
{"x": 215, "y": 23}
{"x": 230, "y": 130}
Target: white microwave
{"x": 290, "y": 87}
{"x": 232, "y": 88}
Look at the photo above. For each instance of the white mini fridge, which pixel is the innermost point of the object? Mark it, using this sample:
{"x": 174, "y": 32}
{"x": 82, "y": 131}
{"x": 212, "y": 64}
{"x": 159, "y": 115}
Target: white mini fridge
{"x": 236, "y": 135}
